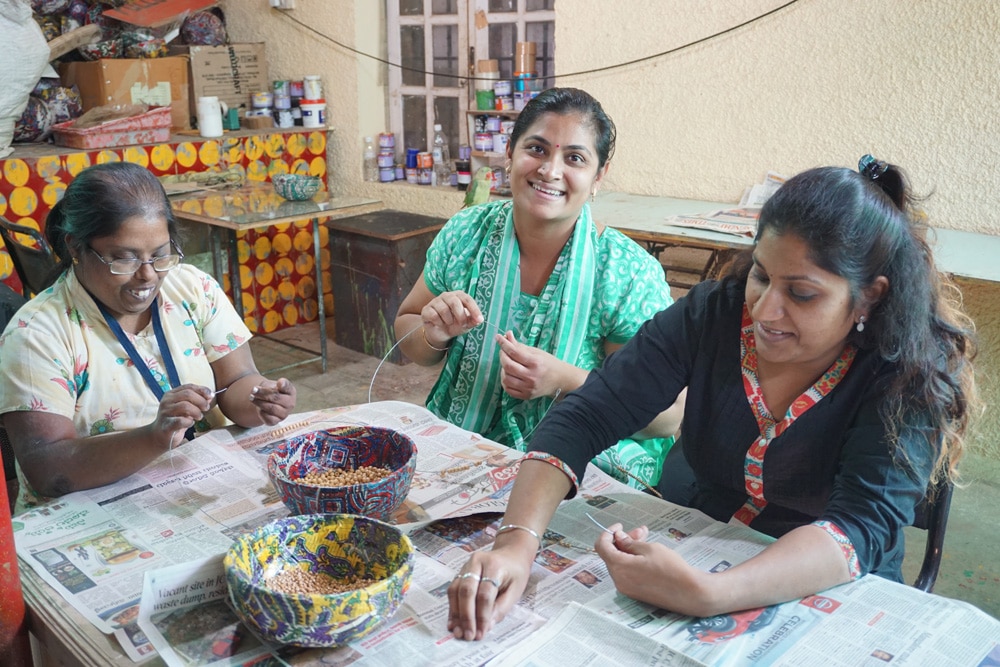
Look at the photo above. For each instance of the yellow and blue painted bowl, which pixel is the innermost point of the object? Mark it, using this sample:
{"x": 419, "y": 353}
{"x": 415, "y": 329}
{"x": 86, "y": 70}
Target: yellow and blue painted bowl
{"x": 343, "y": 546}
{"x": 296, "y": 187}
{"x": 349, "y": 447}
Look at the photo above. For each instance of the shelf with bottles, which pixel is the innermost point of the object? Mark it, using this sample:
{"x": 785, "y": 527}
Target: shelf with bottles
{"x": 489, "y": 132}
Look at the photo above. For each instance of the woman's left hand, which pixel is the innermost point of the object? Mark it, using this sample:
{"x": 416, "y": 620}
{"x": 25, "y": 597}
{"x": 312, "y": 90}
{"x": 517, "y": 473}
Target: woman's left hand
{"x": 652, "y": 573}
{"x": 527, "y": 372}
{"x": 274, "y": 400}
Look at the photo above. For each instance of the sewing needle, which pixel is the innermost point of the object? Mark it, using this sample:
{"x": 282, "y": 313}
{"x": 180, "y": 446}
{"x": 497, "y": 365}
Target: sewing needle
{"x": 220, "y": 391}
{"x": 598, "y": 523}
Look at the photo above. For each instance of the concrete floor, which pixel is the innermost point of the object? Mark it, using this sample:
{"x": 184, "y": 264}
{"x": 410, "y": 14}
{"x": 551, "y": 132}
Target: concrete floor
{"x": 970, "y": 568}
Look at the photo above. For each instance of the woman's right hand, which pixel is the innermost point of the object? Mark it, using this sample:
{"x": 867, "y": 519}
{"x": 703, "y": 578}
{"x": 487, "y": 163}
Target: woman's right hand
{"x": 179, "y": 409}
{"x": 488, "y": 586}
{"x": 448, "y": 315}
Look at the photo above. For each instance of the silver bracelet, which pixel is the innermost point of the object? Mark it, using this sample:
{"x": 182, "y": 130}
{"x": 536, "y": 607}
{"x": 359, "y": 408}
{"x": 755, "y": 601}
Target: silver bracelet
{"x": 507, "y": 527}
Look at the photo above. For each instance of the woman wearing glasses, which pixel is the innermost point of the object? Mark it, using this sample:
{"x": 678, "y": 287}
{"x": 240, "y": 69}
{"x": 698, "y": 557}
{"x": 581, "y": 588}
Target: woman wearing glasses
{"x": 122, "y": 357}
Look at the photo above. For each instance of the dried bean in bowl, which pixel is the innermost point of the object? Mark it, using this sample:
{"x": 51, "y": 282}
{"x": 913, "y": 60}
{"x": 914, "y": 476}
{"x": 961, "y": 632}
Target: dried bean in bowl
{"x": 344, "y": 476}
{"x": 300, "y": 582}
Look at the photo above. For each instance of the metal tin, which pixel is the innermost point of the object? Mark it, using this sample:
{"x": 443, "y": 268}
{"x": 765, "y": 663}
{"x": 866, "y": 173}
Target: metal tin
{"x": 424, "y": 160}
{"x": 282, "y": 101}
{"x": 387, "y": 174}
{"x": 386, "y": 140}
{"x": 483, "y": 141}
{"x": 400, "y": 172}
{"x": 263, "y": 99}
{"x": 424, "y": 175}
{"x": 411, "y": 175}
{"x": 386, "y": 159}
{"x": 296, "y": 89}
{"x": 500, "y": 142}
{"x": 282, "y": 87}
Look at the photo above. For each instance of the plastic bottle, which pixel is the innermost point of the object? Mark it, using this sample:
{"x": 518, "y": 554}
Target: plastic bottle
{"x": 371, "y": 161}
{"x": 442, "y": 158}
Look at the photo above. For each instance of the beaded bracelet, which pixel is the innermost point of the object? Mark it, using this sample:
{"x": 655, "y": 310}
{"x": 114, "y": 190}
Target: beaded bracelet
{"x": 423, "y": 332}
{"x": 507, "y": 527}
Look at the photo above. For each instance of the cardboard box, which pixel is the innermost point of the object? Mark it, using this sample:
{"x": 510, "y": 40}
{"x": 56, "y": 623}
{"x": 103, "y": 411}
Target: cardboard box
{"x": 153, "y": 81}
{"x": 232, "y": 72}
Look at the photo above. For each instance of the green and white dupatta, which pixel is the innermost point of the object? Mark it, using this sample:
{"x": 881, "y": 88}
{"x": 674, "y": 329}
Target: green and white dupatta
{"x": 468, "y": 389}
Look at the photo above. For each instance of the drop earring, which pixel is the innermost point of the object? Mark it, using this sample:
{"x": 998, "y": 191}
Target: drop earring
{"x": 861, "y": 324}
{"x": 593, "y": 196}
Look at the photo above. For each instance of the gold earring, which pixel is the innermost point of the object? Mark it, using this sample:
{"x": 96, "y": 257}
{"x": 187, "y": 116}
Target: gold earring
{"x": 76, "y": 260}
{"x": 593, "y": 196}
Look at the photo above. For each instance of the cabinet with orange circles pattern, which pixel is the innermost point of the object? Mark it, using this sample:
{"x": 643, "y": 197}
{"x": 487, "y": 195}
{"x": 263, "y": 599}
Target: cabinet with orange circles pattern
{"x": 277, "y": 282}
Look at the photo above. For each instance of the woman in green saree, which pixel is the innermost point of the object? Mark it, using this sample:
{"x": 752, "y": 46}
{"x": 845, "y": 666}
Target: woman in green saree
{"x": 524, "y": 297}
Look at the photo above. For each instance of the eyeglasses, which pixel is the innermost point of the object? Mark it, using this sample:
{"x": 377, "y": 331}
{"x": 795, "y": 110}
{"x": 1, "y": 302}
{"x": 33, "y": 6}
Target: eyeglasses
{"x": 126, "y": 267}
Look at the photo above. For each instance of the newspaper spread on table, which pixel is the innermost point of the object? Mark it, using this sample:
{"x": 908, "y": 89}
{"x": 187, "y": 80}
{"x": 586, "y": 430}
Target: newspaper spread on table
{"x": 159, "y": 537}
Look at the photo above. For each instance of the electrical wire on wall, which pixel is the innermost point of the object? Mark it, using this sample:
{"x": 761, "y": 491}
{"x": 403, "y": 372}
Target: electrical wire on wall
{"x": 595, "y": 70}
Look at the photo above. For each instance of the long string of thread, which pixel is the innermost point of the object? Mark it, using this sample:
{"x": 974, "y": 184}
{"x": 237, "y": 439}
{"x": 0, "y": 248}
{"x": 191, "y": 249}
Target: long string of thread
{"x": 595, "y": 70}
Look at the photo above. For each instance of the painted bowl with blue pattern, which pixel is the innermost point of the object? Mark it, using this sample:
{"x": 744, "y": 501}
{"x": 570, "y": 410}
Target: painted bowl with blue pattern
{"x": 348, "y": 447}
{"x": 344, "y": 547}
{"x": 296, "y": 187}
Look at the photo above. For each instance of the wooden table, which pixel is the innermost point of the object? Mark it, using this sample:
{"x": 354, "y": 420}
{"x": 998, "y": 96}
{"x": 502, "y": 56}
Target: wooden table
{"x": 255, "y": 206}
{"x": 644, "y": 219}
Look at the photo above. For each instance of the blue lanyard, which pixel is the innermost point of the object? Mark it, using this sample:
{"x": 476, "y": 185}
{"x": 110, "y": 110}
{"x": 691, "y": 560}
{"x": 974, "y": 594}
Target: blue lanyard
{"x": 137, "y": 361}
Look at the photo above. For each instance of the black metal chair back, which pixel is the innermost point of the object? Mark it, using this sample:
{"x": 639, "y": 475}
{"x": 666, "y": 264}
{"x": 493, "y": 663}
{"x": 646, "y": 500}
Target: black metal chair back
{"x": 932, "y": 516}
{"x": 34, "y": 264}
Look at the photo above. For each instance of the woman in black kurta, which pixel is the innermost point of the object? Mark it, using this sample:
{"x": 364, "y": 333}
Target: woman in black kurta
{"x": 828, "y": 382}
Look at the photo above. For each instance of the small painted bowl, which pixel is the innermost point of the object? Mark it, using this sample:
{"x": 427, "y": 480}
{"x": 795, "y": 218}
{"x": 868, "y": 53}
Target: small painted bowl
{"x": 341, "y": 546}
{"x": 296, "y": 186}
{"x": 349, "y": 447}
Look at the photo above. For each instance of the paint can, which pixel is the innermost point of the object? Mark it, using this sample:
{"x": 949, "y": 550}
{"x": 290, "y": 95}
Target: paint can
{"x": 500, "y": 141}
{"x": 312, "y": 87}
{"x": 483, "y": 141}
{"x": 464, "y": 152}
{"x": 493, "y": 124}
{"x": 502, "y": 88}
{"x": 424, "y": 160}
{"x": 400, "y": 172}
{"x": 386, "y": 159}
{"x": 386, "y": 140}
{"x": 313, "y": 113}
{"x": 411, "y": 157}
{"x": 424, "y": 175}
{"x": 263, "y": 99}
{"x": 282, "y": 102}
{"x": 463, "y": 169}
{"x": 296, "y": 89}
{"x": 282, "y": 87}
{"x": 387, "y": 174}
{"x": 411, "y": 175}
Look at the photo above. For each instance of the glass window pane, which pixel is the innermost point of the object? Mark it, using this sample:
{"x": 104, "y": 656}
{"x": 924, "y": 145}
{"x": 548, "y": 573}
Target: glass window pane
{"x": 411, "y": 49}
{"x": 503, "y": 5}
{"x": 444, "y": 7}
{"x": 445, "y": 55}
{"x": 540, "y": 5}
{"x": 543, "y": 34}
{"x": 414, "y": 122}
{"x": 411, "y": 7}
{"x": 503, "y": 37}
{"x": 446, "y": 113}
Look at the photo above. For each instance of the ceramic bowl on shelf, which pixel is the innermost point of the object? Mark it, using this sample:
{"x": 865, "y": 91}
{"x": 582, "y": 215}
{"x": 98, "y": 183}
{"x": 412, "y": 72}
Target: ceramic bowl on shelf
{"x": 296, "y": 187}
{"x": 311, "y": 555}
{"x": 344, "y": 448}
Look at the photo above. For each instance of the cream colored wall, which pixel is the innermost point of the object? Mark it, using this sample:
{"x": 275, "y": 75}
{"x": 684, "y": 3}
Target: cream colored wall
{"x": 820, "y": 82}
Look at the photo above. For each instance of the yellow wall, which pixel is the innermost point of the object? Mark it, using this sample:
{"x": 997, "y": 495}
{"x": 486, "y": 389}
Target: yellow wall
{"x": 820, "y": 82}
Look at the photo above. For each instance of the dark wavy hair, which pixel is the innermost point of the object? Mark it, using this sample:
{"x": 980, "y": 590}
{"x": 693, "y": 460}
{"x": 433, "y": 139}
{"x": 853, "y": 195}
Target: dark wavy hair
{"x": 567, "y": 101}
{"x": 98, "y": 201}
{"x": 862, "y": 226}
